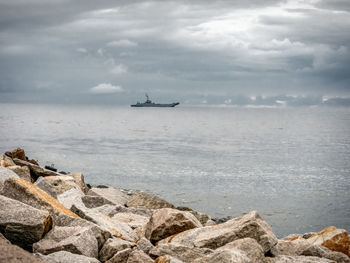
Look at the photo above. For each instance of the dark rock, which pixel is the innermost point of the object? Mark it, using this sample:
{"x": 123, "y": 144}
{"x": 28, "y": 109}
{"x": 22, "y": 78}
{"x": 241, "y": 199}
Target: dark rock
{"x": 19, "y": 154}
{"x": 51, "y": 168}
{"x": 13, "y": 254}
{"x": 91, "y": 201}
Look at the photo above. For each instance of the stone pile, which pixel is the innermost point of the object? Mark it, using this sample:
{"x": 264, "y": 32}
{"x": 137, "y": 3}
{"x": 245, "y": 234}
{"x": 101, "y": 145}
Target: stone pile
{"x": 51, "y": 217}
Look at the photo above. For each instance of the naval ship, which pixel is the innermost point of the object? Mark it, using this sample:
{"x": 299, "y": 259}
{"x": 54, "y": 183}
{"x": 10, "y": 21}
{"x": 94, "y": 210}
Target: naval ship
{"x": 149, "y": 103}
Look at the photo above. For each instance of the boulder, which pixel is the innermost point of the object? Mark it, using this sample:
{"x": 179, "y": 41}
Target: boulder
{"x": 72, "y": 197}
{"x": 77, "y": 240}
{"x": 292, "y": 247}
{"x": 79, "y": 180}
{"x": 203, "y": 218}
{"x": 298, "y": 259}
{"x": 19, "y": 154}
{"x": 5, "y": 174}
{"x": 13, "y": 254}
{"x": 185, "y": 254}
{"x": 45, "y": 186}
{"x": 7, "y": 161}
{"x": 145, "y": 245}
{"x": 249, "y": 225}
{"x": 62, "y": 183}
{"x": 22, "y": 224}
{"x": 66, "y": 257}
{"x": 112, "y": 246}
{"x": 113, "y": 195}
{"x": 323, "y": 252}
{"x": 249, "y": 246}
{"x": 167, "y": 221}
{"x": 225, "y": 256}
{"x": 133, "y": 220}
{"x": 35, "y": 170}
{"x": 138, "y": 256}
{"x": 28, "y": 193}
{"x": 333, "y": 238}
{"x": 167, "y": 259}
{"x": 116, "y": 228}
{"x": 91, "y": 201}
{"x": 22, "y": 171}
{"x": 101, "y": 235}
{"x": 144, "y": 200}
{"x": 121, "y": 256}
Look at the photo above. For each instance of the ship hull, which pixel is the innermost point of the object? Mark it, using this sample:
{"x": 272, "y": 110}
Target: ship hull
{"x": 155, "y": 105}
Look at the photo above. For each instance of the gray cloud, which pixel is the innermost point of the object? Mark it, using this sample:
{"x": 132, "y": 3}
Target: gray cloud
{"x": 62, "y": 48}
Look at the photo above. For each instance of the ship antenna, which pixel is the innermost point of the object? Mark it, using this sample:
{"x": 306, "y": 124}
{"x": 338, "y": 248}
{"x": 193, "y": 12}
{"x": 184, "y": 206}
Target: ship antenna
{"x": 147, "y": 96}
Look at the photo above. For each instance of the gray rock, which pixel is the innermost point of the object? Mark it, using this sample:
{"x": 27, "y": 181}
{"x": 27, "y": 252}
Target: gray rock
{"x": 248, "y": 245}
{"x": 225, "y": 256}
{"x": 120, "y": 256}
{"x": 113, "y": 195}
{"x": 167, "y": 259}
{"x": 167, "y": 221}
{"x": 22, "y": 171}
{"x": 145, "y": 245}
{"x": 144, "y": 200}
{"x": 45, "y": 186}
{"x": 112, "y": 246}
{"x": 66, "y": 257}
{"x": 91, "y": 201}
{"x": 133, "y": 220}
{"x": 116, "y": 228}
{"x": 101, "y": 235}
{"x": 299, "y": 259}
{"x": 203, "y": 218}
{"x": 77, "y": 240}
{"x": 7, "y": 161}
{"x": 62, "y": 183}
{"x": 13, "y": 254}
{"x": 185, "y": 254}
{"x": 35, "y": 170}
{"x": 30, "y": 194}
{"x": 22, "y": 224}
{"x": 138, "y": 256}
{"x": 79, "y": 180}
{"x": 111, "y": 210}
{"x": 5, "y": 174}
{"x": 72, "y": 197}
{"x": 249, "y": 225}
{"x": 290, "y": 248}
{"x": 323, "y": 252}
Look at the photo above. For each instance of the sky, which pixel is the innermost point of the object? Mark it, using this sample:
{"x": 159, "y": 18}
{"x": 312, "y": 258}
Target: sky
{"x": 107, "y": 51}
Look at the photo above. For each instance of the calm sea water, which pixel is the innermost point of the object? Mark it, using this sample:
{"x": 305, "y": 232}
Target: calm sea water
{"x": 290, "y": 164}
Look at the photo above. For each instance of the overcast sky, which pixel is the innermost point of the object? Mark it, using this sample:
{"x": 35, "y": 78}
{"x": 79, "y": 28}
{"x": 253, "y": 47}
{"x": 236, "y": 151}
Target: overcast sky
{"x": 87, "y": 51}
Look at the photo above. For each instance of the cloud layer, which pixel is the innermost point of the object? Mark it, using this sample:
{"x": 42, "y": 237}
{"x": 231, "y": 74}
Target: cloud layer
{"x": 174, "y": 48}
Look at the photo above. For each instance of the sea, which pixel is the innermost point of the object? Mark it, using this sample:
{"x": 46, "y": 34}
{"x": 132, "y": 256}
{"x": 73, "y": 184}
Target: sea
{"x": 291, "y": 164}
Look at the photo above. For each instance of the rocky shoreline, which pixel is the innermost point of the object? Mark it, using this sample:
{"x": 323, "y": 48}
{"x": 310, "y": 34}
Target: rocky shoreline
{"x": 47, "y": 216}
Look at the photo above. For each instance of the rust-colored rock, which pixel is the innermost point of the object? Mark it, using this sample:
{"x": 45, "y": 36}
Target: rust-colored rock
{"x": 28, "y": 193}
{"x": 332, "y": 238}
{"x": 19, "y": 154}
